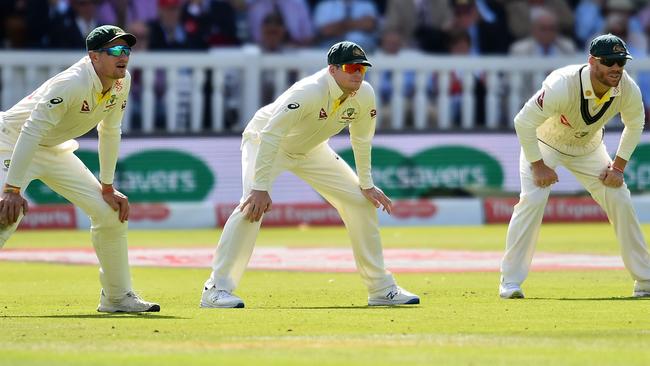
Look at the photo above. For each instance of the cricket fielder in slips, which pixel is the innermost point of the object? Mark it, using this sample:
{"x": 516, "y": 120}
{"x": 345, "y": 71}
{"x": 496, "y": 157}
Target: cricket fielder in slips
{"x": 291, "y": 134}
{"x": 563, "y": 125}
{"x": 36, "y": 142}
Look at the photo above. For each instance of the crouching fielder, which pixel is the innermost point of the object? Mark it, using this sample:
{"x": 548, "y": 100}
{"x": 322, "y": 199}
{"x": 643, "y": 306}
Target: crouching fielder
{"x": 36, "y": 143}
{"x": 563, "y": 125}
{"x": 291, "y": 134}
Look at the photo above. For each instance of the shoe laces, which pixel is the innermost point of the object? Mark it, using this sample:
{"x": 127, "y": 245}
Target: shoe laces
{"x": 219, "y": 294}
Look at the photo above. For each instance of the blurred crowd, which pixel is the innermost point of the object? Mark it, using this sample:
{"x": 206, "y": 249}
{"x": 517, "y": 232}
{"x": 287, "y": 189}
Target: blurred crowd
{"x": 461, "y": 27}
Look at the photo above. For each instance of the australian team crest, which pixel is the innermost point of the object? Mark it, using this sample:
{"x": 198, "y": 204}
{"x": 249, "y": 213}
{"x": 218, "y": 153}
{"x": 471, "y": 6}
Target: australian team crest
{"x": 358, "y": 52}
{"x": 348, "y": 115}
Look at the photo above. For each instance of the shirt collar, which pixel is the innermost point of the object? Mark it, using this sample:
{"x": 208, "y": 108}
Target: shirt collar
{"x": 588, "y": 89}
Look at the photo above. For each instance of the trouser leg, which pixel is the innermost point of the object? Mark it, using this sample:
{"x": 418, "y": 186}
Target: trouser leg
{"x": 239, "y": 234}
{"x": 331, "y": 177}
{"x": 70, "y": 178}
{"x": 525, "y": 223}
{"x": 617, "y": 203}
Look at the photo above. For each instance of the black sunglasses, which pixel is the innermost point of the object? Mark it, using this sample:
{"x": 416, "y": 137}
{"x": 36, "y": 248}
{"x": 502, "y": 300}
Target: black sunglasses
{"x": 609, "y": 62}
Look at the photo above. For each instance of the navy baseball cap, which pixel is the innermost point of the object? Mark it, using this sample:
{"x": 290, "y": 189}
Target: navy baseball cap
{"x": 609, "y": 46}
{"x": 106, "y": 34}
{"x": 346, "y": 52}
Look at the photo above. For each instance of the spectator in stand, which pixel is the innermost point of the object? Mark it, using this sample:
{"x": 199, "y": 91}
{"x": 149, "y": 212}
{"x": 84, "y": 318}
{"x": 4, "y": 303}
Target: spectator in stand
{"x": 274, "y": 39}
{"x": 215, "y": 21}
{"x": 295, "y": 15}
{"x": 141, "y": 31}
{"x": 460, "y": 45}
{"x": 169, "y": 31}
{"x": 519, "y": 11}
{"x": 544, "y": 41}
{"x": 13, "y": 24}
{"x": 352, "y": 20}
{"x": 39, "y": 16}
{"x": 485, "y": 22}
{"x": 393, "y": 44}
{"x": 421, "y": 24}
{"x": 589, "y": 21}
{"x": 76, "y": 23}
{"x": 619, "y": 23}
{"x": 125, "y": 12}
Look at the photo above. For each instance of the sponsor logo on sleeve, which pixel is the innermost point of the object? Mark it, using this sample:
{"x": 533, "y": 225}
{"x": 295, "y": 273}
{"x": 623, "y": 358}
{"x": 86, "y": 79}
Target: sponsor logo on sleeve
{"x": 85, "y": 108}
{"x": 322, "y": 114}
{"x": 54, "y": 101}
{"x": 564, "y": 120}
{"x": 540, "y": 100}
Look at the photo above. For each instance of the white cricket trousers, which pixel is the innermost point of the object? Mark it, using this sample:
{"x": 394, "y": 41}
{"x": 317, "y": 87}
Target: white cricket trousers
{"x": 528, "y": 213}
{"x": 331, "y": 177}
{"x": 65, "y": 174}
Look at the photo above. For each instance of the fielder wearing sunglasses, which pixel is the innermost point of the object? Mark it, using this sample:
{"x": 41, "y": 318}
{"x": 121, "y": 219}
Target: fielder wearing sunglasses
{"x": 116, "y": 51}
{"x": 609, "y": 62}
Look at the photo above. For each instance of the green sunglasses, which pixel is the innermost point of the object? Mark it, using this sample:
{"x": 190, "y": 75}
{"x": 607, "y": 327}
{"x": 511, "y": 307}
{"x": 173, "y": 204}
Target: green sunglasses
{"x": 116, "y": 51}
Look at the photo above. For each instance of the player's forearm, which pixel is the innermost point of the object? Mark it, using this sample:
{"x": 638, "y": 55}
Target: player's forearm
{"x": 629, "y": 140}
{"x": 21, "y": 158}
{"x": 527, "y": 135}
{"x": 264, "y": 161}
{"x": 108, "y": 150}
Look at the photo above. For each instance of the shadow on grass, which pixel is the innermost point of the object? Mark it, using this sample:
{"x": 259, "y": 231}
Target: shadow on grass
{"x": 97, "y": 316}
{"x": 618, "y": 298}
{"x": 329, "y": 307}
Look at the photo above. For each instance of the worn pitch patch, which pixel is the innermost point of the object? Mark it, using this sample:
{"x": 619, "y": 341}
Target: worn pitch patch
{"x": 322, "y": 259}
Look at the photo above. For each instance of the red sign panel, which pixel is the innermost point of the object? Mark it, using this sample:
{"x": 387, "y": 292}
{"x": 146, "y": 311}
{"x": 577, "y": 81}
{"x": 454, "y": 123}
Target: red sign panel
{"x": 558, "y": 209}
{"x": 49, "y": 217}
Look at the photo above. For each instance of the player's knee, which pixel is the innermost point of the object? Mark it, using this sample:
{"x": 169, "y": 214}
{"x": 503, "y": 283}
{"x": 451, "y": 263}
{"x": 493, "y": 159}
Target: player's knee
{"x": 106, "y": 218}
{"x": 620, "y": 195}
{"x": 537, "y": 198}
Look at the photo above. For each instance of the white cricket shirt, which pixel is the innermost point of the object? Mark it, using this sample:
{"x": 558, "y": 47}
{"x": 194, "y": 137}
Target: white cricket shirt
{"x": 306, "y": 116}
{"x": 65, "y": 107}
{"x": 566, "y": 115}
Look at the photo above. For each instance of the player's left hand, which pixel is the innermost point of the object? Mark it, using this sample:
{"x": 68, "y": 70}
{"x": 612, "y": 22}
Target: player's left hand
{"x": 118, "y": 202}
{"x": 611, "y": 178}
{"x": 377, "y": 197}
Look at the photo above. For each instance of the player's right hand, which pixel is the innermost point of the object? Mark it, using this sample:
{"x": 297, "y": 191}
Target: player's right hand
{"x": 10, "y": 206}
{"x": 257, "y": 203}
{"x": 543, "y": 176}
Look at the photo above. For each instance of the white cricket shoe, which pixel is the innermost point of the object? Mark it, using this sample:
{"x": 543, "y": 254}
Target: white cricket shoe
{"x": 394, "y": 295}
{"x": 510, "y": 291}
{"x": 130, "y": 303}
{"x": 214, "y": 298}
{"x": 641, "y": 289}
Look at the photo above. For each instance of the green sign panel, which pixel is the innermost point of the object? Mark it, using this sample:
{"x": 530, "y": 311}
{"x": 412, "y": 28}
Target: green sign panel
{"x": 637, "y": 170}
{"x": 435, "y": 171}
{"x": 146, "y": 176}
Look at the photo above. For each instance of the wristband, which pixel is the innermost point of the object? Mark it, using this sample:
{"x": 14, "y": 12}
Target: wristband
{"x": 617, "y": 169}
{"x": 11, "y": 189}
{"x": 107, "y": 189}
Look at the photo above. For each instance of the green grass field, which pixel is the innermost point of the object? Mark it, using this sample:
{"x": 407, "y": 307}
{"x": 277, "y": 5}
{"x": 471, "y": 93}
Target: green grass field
{"x": 47, "y": 312}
